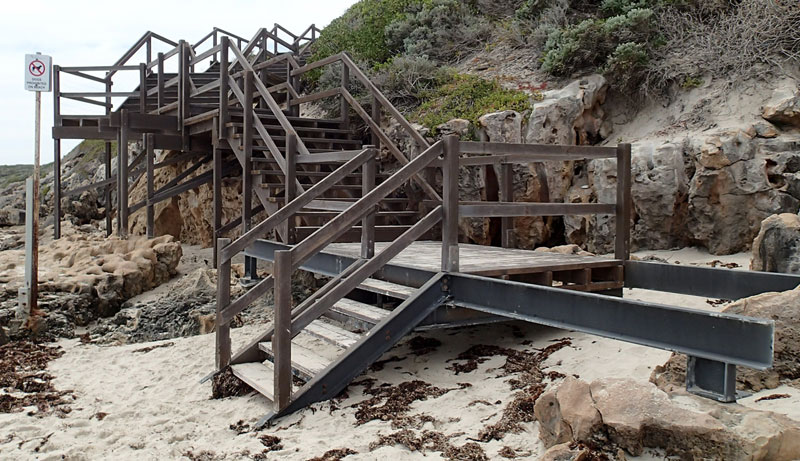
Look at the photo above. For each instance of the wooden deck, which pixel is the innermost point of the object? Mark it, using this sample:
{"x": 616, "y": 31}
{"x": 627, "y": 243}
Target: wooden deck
{"x": 577, "y": 272}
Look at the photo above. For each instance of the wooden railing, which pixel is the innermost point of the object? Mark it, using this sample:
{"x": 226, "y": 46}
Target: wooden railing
{"x": 380, "y": 105}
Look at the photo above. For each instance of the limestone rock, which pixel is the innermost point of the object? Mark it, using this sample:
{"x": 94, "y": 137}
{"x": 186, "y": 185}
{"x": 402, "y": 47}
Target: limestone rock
{"x": 623, "y": 413}
{"x": 458, "y": 126}
{"x": 784, "y": 106}
{"x": 504, "y": 126}
{"x": 777, "y": 245}
{"x": 11, "y": 217}
{"x": 731, "y": 193}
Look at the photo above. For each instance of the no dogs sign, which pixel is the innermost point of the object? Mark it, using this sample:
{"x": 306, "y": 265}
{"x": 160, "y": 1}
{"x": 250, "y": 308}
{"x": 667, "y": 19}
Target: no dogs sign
{"x": 37, "y": 72}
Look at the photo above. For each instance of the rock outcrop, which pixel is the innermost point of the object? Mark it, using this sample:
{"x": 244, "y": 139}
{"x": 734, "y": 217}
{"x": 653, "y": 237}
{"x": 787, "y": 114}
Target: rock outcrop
{"x": 84, "y": 276}
{"x": 624, "y": 414}
{"x": 784, "y": 106}
{"x": 777, "y": 245}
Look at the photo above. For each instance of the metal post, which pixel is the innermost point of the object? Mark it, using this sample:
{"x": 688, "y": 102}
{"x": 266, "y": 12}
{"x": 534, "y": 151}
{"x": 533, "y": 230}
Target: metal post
{"x": 33, "y": 255}
{"x": 122, "y": 176}
{"x": 150, "y": 154}
{"x": 507, "y": 195}
{"x": 56, "y": 156}
{"x": 368, "y": 223}
{"x": 109, "y": 187}
{"x": 223, "y": 87}
{"x": 291, "y": 183}
{"x": 622, "y": 247}
{"x": 450, "y": 204}
{"x": 282, "y": 336}
{"x": 250, "y": 264}
{"x": 223, "y": 331}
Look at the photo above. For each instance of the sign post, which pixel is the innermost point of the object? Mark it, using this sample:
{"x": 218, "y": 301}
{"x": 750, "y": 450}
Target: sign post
{"x": 37, "y": 79}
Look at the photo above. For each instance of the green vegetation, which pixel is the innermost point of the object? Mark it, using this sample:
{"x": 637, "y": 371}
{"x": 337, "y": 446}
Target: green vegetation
{"x": 469, "y": 97}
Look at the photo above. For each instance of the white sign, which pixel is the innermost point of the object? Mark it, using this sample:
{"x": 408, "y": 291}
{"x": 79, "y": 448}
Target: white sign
{"x": 37, "y": 72}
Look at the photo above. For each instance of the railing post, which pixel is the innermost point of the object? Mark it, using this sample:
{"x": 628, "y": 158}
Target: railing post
{"x": 122, "y": 176}
{"x": 149, "y": 154}
{"x": 109, "y": 188}
{"x": 507, "y": 195}
{"x": 160, "y": 77}
{"x": 214, "y": 45}
{"x": 282, "y": 335}
{"x": 184, "y": 90}
{"x": 223, "y": 88}
{"x": 223, "y": 332}
{"x": 217, "y": 192}
{"x": 250, "y": 264}
{"x": 344, "y": 110}
{"x": 291, "y": 84}
{"x": 450, "y": 204}
{"x": 622, "y": 244}
{"x": 56, "y": 155}
{"x": 290, "y": 184}
{"x": 142, "y": 88}
{"x": 149, "y": 52}
{"x": 368, "y": 223}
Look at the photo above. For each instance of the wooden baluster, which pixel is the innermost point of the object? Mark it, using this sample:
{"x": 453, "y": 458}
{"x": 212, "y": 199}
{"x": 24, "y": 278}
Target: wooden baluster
{"x": 150, "y": 154}
{"x": 282, "y": 336}
{"x": 622, "y": 249}
{"x": 368, "y": 223}
{"x": 450, "y": 204}
{"x": 290, "y": 184}
{"x": 507, "y": 195}
{"x": 344, "y": 110}
{"x": 142, "y": 88}
{"x": 250, "y": 264}
{"x": 56, "y": 155}
{"x": 223, "y": 332}
{"x": 223, "y": 89}
{"x": 122, "y": 176}
{"x": 109, "y": 187}
{"x": 160, "y": 69}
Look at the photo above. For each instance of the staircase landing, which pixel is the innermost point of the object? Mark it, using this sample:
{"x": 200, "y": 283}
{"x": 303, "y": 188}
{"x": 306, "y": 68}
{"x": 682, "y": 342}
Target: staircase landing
{"x": 571, "y": 271}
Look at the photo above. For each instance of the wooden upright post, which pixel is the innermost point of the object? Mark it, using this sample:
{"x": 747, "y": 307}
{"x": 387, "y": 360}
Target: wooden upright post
{"x": 450, "y": 204}
{"x": 622, "y": 248}
{"x": 223, "y": 331}
{"x": 282, "y": 335}
{"x": 368, "y": 223}
{"x": 160, "y": 82}
{"x": 122, "y": 172}
{"x": 507, "y": 195}
{"x": 142, "y": 88}
{"x": 56, "y": 156}
{"x": 247, "y": 173}
{"x": 217, "y": 193}
{"x": 344, "y": 109}
{"x": 290, "y": 184}
{"x": 149, "y": 145}
{"x": 223, "y": 87}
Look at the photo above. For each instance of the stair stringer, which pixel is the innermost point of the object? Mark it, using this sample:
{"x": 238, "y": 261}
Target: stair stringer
{"x": 339, "y": 374}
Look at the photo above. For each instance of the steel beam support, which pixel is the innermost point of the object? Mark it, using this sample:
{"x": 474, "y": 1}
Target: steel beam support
{"x": 714, "y": 336}
{"x": 108, "y": 189}
{"x": 711, "y": 379}
{"x": 705, "y": 281}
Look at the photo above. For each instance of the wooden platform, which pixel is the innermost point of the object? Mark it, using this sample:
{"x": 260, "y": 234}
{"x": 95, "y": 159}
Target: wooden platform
{"x": 577, "y": 272}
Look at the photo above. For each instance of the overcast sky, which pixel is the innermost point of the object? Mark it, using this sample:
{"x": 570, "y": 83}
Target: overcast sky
{"x": 92, "y": 32}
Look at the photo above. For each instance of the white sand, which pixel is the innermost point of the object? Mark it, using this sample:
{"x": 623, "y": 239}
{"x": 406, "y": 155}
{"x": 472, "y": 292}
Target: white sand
{"x": 158, "y": 410}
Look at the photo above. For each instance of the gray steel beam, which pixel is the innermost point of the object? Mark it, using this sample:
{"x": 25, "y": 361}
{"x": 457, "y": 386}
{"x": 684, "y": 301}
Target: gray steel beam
{"x": 719, "y": 337}
{"x": 705, "y": 281}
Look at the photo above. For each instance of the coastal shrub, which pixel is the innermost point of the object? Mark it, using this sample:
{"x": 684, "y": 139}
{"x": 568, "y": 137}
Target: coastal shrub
{"x": 617, "y": 43}
{"x": 469, "y": 97}
{"x": 407, "y": 80}
{"x": 442, "y": 30}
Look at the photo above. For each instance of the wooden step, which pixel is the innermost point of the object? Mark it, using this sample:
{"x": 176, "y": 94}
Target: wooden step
{"x": 305, "y": 363}
{"x": 360, "y": 311}
{"x": 383, "y": 233}
{"x": 387, "y": 288}
{"x": 332, "y": 334}
{"x": 257, "y": 375}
